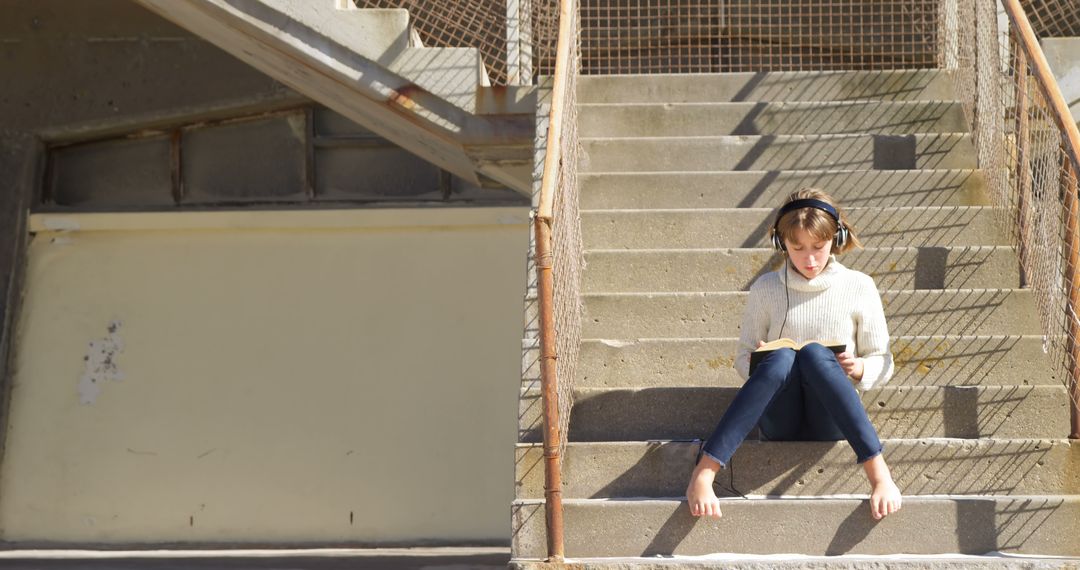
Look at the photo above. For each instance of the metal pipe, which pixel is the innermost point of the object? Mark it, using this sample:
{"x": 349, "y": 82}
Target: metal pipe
{"x": 545, "y": 285}
{"x": 1023, "y": 170}
{"x": 549, "y": 386}
{"x": 1072, "y": 283}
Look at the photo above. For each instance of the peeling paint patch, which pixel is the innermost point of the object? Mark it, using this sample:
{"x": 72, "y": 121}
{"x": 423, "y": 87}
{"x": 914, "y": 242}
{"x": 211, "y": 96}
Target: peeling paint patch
{"x": 100, "y": 364}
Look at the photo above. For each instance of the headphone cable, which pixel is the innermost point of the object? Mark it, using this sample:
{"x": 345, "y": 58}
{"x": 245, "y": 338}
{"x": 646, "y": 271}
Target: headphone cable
{"x": 787, "y": 295}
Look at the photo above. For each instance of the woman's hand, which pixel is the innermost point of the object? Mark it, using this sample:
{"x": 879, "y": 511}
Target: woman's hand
{"x": 852, "y": 365}
{"x": 760, "y": 343}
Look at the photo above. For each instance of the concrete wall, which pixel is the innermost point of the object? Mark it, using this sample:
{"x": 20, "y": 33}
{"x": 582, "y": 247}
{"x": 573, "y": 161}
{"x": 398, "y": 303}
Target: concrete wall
{"x": 1063, "y": 55}
{"x": 80, "y": 69}
{"x": 288, "y": 376}
{"x": 320, "y": 377}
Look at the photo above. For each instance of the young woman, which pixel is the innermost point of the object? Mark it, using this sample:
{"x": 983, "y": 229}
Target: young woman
{"x": 809, "y": 394}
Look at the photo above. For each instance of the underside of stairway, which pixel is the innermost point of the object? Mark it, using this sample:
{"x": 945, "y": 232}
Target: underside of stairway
{"x": 681, "y": 176}
{"x": 435, "y": 102}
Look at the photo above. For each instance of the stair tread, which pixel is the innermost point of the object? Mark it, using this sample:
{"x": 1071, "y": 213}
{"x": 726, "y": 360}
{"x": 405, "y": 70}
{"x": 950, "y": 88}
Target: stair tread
{"x": 969, "y": 524}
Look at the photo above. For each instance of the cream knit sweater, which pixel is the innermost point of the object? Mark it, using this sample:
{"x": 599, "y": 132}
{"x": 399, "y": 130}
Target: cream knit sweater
{"x": 839, "y": 304}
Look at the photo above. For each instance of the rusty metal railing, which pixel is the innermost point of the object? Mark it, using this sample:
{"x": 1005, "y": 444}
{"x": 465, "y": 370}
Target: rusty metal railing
{"x": 557, "y": 227}
{"x": 1029, "y": 147}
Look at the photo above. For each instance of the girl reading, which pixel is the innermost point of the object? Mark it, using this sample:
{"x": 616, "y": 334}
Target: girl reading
{"x": 808, "y": 394}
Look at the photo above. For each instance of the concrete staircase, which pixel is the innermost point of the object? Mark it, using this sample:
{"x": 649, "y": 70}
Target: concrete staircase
{"x": 367, "y": 66}
{"x": 680, "y": 178}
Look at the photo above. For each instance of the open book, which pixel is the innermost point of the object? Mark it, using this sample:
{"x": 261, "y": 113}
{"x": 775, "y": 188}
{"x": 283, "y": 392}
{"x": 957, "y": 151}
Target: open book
{"x": 758, "y": 355}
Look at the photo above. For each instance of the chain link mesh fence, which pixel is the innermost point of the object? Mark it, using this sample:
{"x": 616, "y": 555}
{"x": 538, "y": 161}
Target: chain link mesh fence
{"x": 1053, "y": 18}
{"x": 709, "y": 36}
{"x": 567, "y": 245}
{"x": 1023, "y": 152}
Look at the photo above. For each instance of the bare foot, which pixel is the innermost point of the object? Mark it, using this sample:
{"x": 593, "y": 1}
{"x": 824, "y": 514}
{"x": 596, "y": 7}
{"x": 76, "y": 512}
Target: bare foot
{"x": 885, "y": 496}
{"x": 884, "y": 499}
{"x": 699, "y": 493}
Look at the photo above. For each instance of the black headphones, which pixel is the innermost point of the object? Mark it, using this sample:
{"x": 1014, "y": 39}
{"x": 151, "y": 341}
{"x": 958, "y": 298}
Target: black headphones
{"x": 839, "y": 239}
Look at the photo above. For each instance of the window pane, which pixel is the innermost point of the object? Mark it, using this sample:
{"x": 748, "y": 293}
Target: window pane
{"x": 132, "y": 172}
{"x": 245, "y": 162}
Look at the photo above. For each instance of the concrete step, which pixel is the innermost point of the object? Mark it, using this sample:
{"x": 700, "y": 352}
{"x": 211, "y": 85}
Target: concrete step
{"x": 453, "y": 74}
{"x": 638, "y": 414}
{"x": 672, "y": 270}
{"x": 778, "y": 118}
{"x": 918, "y": 361}
{"x": 775, "y": 86}
{"x": 993, "y": 561}
{"x": 725, "y": 189}
{"x": 701, "y": 228}
{"x": 778, "y": 152}
{"x": 593, "y": 470}
{"x": 718, "y": 314}
{"x": 1037, "y": 525}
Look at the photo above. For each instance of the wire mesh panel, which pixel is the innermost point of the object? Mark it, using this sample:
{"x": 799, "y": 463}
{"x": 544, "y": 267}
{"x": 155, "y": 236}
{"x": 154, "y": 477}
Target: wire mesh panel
{"x": 545, "y": 30}
{"x": 1053, "y": 18}
{"x": 703, "y": 36}
{"x": 650, "y": 36}
{"x": 708, "y": 36}
{"x": 567, "y": 246}
{"x": 1031, "y": 178}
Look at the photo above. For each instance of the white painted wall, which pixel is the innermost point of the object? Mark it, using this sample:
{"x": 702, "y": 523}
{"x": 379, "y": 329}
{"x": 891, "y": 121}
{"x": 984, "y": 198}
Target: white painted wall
{"x": 349, "y": 375}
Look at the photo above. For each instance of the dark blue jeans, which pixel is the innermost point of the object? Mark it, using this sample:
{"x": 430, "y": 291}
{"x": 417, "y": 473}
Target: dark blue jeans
{"x": 801, "y": 396}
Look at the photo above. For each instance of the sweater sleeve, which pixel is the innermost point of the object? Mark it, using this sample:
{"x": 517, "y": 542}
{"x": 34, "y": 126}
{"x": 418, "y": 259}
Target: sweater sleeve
{"x": 755, "y": 327}
{"x": 872, "y": 338}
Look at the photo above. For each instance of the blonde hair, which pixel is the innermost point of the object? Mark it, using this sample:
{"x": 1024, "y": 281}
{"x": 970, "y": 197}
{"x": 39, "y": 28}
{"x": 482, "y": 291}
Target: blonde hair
{"x": 815, "y": 222}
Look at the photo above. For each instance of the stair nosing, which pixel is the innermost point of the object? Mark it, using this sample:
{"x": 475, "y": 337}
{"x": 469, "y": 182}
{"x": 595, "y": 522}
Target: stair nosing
{"x": 819, "y": 135}
{"x": 598, "y": 173}
{"x": 767, "y": 210}
{"x": 745, "y": 292}
{"x": 803, "y": 498}
{"x": 801, "y": 102}
{"x": 891, "y": 337}
{"x": 532, "y": 390}
{"x": 867, "y": 72}
{"x": 942, "y": 440}
{"x": 608, "y": 250}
